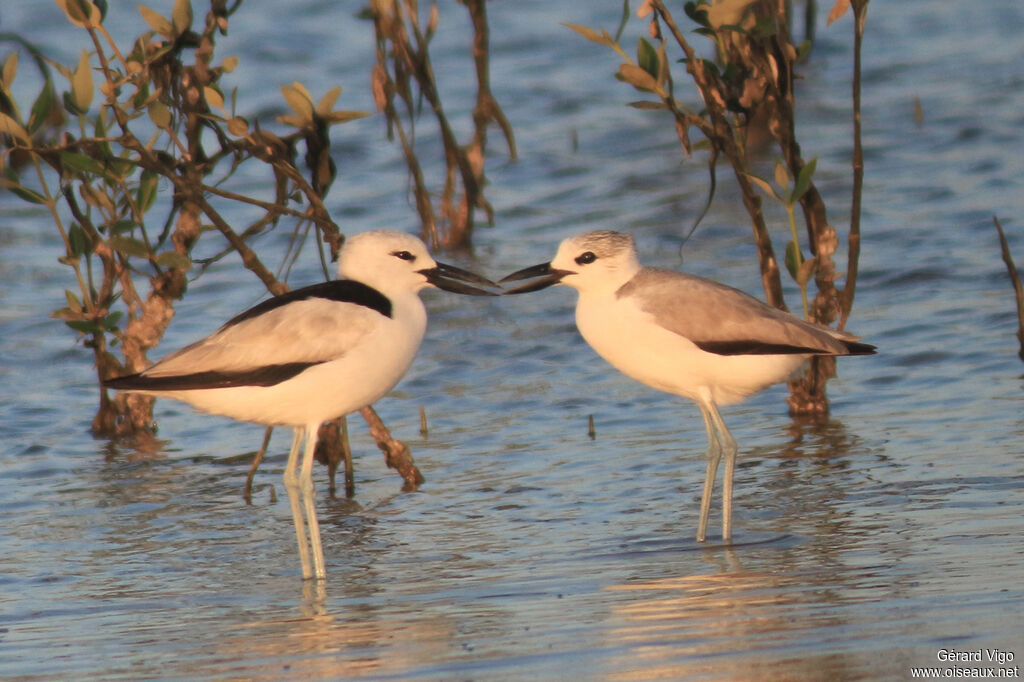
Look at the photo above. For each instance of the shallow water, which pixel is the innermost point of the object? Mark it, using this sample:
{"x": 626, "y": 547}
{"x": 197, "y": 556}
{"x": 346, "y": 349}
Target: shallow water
{"x": 864, "y": 545}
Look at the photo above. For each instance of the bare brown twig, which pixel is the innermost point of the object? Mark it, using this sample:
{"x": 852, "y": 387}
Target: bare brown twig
{"x": 1018, "y": 289}
{"x": 403, "y": 59}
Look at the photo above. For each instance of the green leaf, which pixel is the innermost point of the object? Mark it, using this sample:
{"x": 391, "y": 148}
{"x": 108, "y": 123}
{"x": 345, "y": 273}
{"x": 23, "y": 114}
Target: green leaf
{"x": 121, "y": 226}
{"x": 590, "y": 34}
{"x": 697, "y": 11}
{"x": 807, "y": 269}
{"x": 10, "y": 70}
{"x": 663, "y": 69}
{"x": 341, "y": 116}
{"x": 173, "y": 259}
{"x": 838, "y": 10}
{"x": 42, "y": 108}
{"x": 637, "y": 77}
{"x": 648, "y": 105}
{"x": 11, "y": 127}
{"x": 803, "y": 181}
{"x": 100, "y": 128}
{"x": 213, "y": 97}
{"x": 95, "y": 198}
{"x": 83, "y": 326}
{"x": 80, "y": 163}
{"x": 29, "y": 195}
{"x": 72, "y": 299}
{"x": 623, "y": 20}
{"x": 292, "y": 120}
{"x": 794, "y": 258}
{"x": 765, "y": 187}
{"x": 81, "y": 84}
{"x": 647, "y": 58}
{"x": 299, "y": 100}
{"x": 238, "y": 126}
{"x": 326, "y": 104}
{"x": 146, "y": 195}
{"x": 129, "y": 246}
{"x": 110, "y": 321}
{"x": 181, "y": 16}
{"x": 781, "y": 176}
{"x": 160, "y": 115}
{"x": 77, "y": 242}
{"x": 156, "y": 22}
{"x": 69, "y": 103}
{"x": 141, "y": 96}
{"x": 803, "y": 49}
{"x": 65, "y": 314}
{"x": 81, "y": 13}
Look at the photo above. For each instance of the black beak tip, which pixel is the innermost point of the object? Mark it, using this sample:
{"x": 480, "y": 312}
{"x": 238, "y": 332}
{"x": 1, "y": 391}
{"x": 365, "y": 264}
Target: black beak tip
{"x": 543, "y": 276}
{"x": 459, "y": 281}
{"x": 539, "y": 270}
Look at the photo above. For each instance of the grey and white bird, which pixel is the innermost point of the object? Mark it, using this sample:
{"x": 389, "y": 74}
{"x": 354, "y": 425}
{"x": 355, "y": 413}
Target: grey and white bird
{"x": 684, "y": 335}
{"x": 312, "y": 355}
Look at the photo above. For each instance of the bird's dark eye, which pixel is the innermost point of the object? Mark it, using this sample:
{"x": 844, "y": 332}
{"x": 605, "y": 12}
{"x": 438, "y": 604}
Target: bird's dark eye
{"x": 586, "y": 258}
{"x": 404, "y": 255}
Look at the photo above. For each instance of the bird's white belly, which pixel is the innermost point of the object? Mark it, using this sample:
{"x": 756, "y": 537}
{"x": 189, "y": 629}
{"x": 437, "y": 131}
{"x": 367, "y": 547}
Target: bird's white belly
{"x": 325, "y": 391}
{"x": 631, "y": 341}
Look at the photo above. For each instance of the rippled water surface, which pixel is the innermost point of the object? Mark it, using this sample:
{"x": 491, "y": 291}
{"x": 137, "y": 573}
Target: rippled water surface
{"x": 864, "y": 545}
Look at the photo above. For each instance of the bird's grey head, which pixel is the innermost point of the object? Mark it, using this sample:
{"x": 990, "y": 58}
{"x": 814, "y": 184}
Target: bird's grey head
{"x": 604, "y": 244}
{"x": 394, "y": 262}
{"x": 601, "y": 260}
{"x": 598, "y": 261}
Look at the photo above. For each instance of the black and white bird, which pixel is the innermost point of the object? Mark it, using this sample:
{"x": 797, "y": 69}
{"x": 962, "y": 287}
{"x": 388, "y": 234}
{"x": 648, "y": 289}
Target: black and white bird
{"x": 684, "y": 335}
{"x": 312, "y": 355}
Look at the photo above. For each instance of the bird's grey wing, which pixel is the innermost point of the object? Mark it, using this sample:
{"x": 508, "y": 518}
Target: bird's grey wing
{"x": 304, "y": 332}
{"x": 723, "y": 320}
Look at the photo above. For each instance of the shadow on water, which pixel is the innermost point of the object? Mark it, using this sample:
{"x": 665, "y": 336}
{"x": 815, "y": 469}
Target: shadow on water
{"x": 647, "y": 548}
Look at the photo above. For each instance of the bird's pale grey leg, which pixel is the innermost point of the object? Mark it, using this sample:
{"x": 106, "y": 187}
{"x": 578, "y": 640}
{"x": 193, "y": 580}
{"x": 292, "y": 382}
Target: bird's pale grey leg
{"x": 714, "y": 455}
{"x": 309, "y": 498}
{"x": 728, "y": 447}
{"x": 291, "y": 484}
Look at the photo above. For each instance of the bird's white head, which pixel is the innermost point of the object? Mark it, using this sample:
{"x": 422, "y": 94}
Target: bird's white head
{"x": 593, "y": 261}
{"x": 394, "y": 262}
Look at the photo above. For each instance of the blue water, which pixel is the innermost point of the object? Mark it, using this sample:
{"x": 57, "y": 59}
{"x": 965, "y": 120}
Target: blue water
{"x": 864, "y": 544}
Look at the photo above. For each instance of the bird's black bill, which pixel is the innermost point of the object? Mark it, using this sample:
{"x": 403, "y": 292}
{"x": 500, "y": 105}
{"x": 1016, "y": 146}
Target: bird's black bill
{"x": 457, "y": 280}
{"x": 546, "y": 275}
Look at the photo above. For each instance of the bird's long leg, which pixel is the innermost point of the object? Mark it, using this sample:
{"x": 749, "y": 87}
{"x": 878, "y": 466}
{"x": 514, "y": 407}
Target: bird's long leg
{"x": 728, "y": 447}
{"x": 309, "y": 498}
{"x": 291, "y": 484}
{"x": 707, "y": 409}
